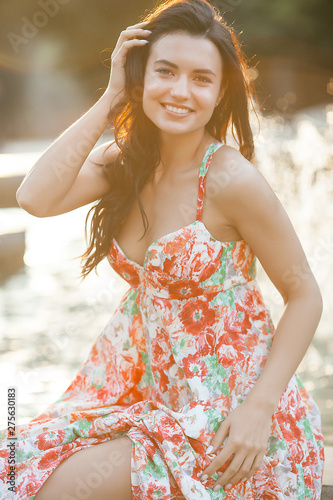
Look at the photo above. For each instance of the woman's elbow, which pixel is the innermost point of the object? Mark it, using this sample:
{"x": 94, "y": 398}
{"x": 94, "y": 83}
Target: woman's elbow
{"x": 310, "y": 292}
{"x": 26, "y": 204}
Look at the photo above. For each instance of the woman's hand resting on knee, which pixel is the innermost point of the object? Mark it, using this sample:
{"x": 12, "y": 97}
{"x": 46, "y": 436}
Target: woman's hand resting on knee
{"x": 245, "y": 433}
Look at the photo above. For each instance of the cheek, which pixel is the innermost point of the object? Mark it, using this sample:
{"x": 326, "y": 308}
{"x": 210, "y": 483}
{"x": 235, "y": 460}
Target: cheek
{"x": 208, "y": 97}
{"x": 152, "y": 90}
{"x": 149, "y": 98}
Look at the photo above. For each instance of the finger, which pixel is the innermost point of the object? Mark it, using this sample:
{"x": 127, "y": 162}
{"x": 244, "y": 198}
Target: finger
{"x": 219, "y": 461}
{"x": 134, "y": 32}
{"x": 137, "y": 25}
{"x": 256, "y": 464}
{"x": 125, "y": 46}
{"x": 232, "y": 470}
{"x": 127, "y": 35}
{"x": 220, "y": 437}
{"x": 242, "y": 473}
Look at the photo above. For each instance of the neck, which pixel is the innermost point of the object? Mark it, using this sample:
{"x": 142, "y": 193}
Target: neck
{"x": 179, "y": 153}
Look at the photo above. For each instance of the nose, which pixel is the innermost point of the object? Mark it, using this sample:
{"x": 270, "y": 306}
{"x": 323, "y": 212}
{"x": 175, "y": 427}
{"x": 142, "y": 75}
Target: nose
{"x": 180, "y": 88}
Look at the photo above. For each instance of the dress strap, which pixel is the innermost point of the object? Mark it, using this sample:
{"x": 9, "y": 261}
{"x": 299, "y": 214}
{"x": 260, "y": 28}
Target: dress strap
{"x": 214, "y": 146}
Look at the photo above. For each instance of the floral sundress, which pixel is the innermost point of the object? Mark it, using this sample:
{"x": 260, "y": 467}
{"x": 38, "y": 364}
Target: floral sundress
{"x": 183, "y": 348}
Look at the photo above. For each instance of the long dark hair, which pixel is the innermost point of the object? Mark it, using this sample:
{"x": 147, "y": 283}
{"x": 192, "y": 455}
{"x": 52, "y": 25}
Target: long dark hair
{"x": 136, "y": 135}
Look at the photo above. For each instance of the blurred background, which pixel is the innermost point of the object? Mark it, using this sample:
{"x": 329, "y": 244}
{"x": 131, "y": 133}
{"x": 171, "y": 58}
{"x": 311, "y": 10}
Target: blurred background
{"x": 54, "y": 65}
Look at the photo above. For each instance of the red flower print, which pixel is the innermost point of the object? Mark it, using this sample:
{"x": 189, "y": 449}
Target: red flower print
{"x": 50, "y": 439}
{"x": 227, "y": 355}
{"x": 205, "y": 343}
{"x": 196, "y": 316}
{"x": 49, "y": 458}
{"x": 29, "y": 486}
{"x": 136, "y": 333}
{"x": 194, "y": 367}
{"x": 237, "y": 320}
{"x": 163, "y": 380}
{"x": 182, "y": 288}
{"x": 170, "y": 430}
{"x": 242, "y": 256}
{"x": 161, "y": 354}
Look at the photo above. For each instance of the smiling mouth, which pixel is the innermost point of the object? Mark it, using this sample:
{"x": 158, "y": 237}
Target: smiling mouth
{"x": 177, "y": 109}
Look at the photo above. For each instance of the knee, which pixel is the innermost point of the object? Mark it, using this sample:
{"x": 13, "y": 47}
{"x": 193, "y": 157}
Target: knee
{"x": 98, "y": 472}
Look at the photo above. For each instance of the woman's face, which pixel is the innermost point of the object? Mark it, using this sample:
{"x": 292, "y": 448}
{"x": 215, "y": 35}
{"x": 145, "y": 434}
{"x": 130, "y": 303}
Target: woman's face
{"x": 182, "y": 83}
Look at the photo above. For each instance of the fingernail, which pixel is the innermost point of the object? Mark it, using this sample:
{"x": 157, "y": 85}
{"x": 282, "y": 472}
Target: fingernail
{"x": 209, "y": 449}
{"x": 217, "y": 487}
{"x": 203, "y": 478}
{"x": 147, "y": 31}
{"x": 228, "y": 487}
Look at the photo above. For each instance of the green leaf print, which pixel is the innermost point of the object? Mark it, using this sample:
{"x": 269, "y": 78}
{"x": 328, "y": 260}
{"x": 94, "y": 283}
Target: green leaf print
{"x": 184, "y": 340}
{"x": 219, "y": 494}
{"x": 147, "y": 378}
{"x": 79, "y": 428}
{"x": 225, "y": 388}
{"x": 21, "y": 455}
{"x": 98, "y": 377}
{"x": 218, "y": 277}
{"x": 240, "y": 316}
{"x": 302, "y": 491}
{"x": 216, "y": 375}
{"x": 155, "y": 468}
{"x": 252, "y": 270}
{"x": 299, "y": 382}
{"x": 306, "y": 426}
{"x": 274, "y": 444}
{"x": 126, "y": 345}
{"x": 214, "y": 419}
{"x": 224, "y": 298}
{"x": 130, "y": 305}
{"x": 203, "y": 165}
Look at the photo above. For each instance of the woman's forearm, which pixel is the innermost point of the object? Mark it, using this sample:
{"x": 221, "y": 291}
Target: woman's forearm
{"x": 55, "y": 171}
{"x": 292, "y": 338}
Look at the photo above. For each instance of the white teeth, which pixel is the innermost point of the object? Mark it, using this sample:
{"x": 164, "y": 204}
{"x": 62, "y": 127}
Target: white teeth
{"x": 180, "y": 111}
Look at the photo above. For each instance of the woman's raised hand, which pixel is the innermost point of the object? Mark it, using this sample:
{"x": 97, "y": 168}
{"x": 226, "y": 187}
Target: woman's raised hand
{"x": 127, "y": 39}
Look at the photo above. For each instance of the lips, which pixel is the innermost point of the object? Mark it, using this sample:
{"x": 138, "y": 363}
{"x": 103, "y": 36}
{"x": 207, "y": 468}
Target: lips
{"x": 179, "y": 110}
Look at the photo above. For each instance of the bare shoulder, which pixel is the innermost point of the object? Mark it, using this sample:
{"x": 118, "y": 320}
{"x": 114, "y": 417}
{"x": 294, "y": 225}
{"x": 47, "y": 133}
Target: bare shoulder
{"x": 234, "y": 177}
{"x": 228, "y": 160}
{"x": 251, "y": 206}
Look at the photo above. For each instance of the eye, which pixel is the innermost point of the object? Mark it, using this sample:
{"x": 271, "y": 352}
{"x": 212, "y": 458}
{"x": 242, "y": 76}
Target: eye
{"x": 164, "y": 71}
{"x": 203, "y": 79}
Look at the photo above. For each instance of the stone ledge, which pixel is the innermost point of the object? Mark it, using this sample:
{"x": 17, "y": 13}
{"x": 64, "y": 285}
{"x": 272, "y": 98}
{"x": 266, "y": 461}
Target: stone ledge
{"x": 327, "y": 490}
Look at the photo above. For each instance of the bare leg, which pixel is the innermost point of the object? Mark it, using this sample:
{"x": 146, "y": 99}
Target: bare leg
{"x": 101, "y": 472}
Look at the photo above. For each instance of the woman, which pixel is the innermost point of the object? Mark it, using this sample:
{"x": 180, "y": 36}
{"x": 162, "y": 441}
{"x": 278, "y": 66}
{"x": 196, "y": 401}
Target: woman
{"x": 190, "y": 391}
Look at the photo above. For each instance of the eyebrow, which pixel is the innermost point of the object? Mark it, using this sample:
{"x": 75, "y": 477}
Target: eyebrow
{"x": 202, "y": 70}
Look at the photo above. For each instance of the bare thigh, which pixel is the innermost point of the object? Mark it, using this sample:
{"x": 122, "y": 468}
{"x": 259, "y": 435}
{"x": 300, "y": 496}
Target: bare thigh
{"x": 100, "y": 472}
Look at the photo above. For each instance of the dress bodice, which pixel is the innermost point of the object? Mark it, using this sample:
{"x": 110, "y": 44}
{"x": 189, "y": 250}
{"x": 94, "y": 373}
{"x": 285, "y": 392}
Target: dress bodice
{"x": 189, "y": 261}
